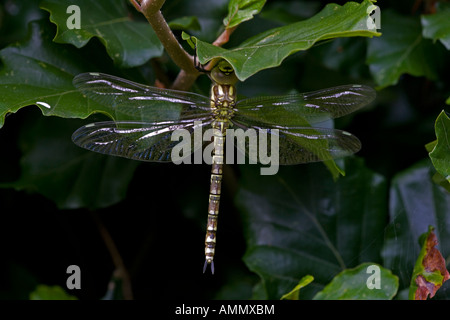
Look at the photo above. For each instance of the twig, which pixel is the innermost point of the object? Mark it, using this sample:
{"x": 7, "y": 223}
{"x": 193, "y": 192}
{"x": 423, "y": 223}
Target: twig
{"x": 120, "y": 272}
{"x": 224, "y": 37}
{"x": 151, "y": 10}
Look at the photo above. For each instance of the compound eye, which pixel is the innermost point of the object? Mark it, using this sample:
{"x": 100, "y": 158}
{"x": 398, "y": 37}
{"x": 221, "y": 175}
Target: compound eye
{"x": 223, "y": 73}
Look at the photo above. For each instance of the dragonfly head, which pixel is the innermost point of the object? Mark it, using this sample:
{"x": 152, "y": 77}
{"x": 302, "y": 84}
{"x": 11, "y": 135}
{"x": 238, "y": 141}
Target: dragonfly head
{"x": 223, "y": 73}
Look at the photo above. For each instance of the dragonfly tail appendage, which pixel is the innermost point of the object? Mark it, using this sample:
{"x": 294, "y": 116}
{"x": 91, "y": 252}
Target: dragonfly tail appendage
{"x": 205, "y": 266}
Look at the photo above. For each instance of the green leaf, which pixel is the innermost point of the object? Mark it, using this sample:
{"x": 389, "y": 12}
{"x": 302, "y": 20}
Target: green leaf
{"x": 429, "y": 271}
{"x": 270, "y": 48}
{"x": 242, "y": 10}
{"x": 38, "y": 71}
{"x": 437, "y": 26}
{"x": 367, "y": 281}
{"x": 293, "y": 294}
{"x": 440, "y": 155}
{"x": 129, "y": 43}
{"x": 416, "y": 202}
{"x": 300, "y": 222}
{"x": 401, "y": 50}
{"x": 71, "y": 177}
{"x": 44, "y": 292}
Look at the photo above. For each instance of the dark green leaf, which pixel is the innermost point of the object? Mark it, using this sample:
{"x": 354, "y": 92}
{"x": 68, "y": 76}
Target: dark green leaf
{"x": 401, "y": 50}
{"x": 300, "y": 222}
{"x": 70, "y": 176}
{"x": 129, "y": 43}
{"x": 270, "y": 48}
{"x": 415, "y": 203}
{"x": 440, "y": 155}
{"x": 38, "y": 71}
{"x": 367, "y": 281}
{"x": 15, "y": 16}
{"x": 437, "y": 26}
{"x": 242, "y": 10}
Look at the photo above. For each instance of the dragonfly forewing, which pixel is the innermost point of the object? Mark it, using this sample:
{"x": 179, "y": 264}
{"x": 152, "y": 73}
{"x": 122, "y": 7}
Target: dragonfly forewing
{"x": 131, "y": 101}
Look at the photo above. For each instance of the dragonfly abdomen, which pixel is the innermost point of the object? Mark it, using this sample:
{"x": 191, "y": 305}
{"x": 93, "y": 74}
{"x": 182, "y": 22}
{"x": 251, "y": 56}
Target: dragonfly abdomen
{"x": 223, "y": 98}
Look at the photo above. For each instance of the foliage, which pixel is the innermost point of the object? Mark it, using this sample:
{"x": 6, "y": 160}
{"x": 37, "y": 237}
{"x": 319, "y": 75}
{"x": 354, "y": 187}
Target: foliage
{"x": 305, "y": 234}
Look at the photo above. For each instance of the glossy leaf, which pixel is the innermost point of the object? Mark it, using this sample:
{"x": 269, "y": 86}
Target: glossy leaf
{"x": 300, "y": 222}
{"x": 270, "y": 48}
{"x": 437, "y": 26}
{"x": 38, "y": 71}
{"x": 430, "y": 271}
{"x": 416, "y": 202}
{"x": 367, "y": 281}
{"x": 71, "y": 177}
{"x": 402, "y": 49}
{"x": 242, "y": 10}
{"x": 129, "y": 43}
{"x": 440, "y": 155}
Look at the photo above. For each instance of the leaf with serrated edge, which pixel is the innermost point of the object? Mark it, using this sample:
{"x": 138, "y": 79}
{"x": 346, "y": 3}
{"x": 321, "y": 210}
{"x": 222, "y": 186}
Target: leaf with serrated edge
{"x": 129, "y": 43}
{"x": 39, "y": 71}
{"x": 270, "y": 48}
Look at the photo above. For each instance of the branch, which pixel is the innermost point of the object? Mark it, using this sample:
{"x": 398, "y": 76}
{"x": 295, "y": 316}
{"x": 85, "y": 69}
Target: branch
{"x": 120, "y": 272}
{"x": 151, "y": 10}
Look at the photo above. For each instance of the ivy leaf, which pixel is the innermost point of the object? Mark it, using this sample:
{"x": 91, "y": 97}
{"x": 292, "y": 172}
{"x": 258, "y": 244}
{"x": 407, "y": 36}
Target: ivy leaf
{"x": 300, "y": 221}
{"x": 430, "y": 271}
{"x": 129, "y": 43}
{"x": 270, "y": 48}
{"x": 416, "y": 202}
{"x": 39, "y": 71}
{"x": 367, "y": 281}
{"x": 293, "y": 294}
{"x": 440, "y": 155}
{"x": 392, "y": 55}
{"x": 242, "y": 10}
{"x": 437, "y": 26}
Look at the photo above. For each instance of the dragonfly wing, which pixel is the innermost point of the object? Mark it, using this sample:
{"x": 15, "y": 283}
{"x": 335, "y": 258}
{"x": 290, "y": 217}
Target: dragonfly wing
{"x": 129, "y": 100}
{"x": 305, "y": 108}
{"x": 142, "y": 141}
{"x": 295, "y": 145}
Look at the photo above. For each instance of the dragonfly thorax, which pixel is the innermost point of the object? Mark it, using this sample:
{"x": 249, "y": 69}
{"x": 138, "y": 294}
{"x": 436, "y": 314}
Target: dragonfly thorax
{"x": 223, "y": 100}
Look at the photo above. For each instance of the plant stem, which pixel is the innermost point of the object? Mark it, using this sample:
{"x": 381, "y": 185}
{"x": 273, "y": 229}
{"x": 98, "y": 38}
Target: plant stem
{"x": 151, "y": 10}
{"x": 121, "y": 271}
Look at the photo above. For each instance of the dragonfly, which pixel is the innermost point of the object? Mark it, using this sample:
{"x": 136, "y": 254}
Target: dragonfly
{"x": 146, "y": 117}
